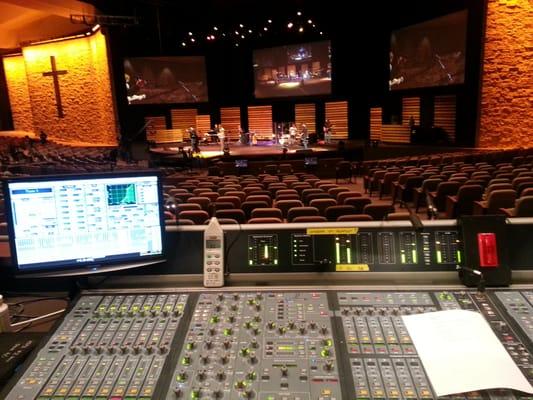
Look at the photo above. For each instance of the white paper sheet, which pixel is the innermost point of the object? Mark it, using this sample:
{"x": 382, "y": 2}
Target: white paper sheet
{"x": 461, "y": 353}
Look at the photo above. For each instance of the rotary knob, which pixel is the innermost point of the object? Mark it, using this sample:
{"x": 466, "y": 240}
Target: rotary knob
{"x": 323, "y": 329}
{"x": 302, "y": 329}
{"x": 251, "y": 375}
{"x": 231, "y": 318}
{"x": 208, "y": 344}
{"x": 201, "y": 375}
{"x": 217, "y": 394}
{"x": 328, "y": 366}
{"x": 204, "y": 359}
{"x": 271, "y": 324}
{"x": 224, "y": 359}
{"x": 253, "y": 357}
{"x": 312, "y": 325}
{"x": 220, "y": 375}
{"x": 181, "y": 376}
{"x": 254, "y": 344}
{"x": 226, "y": 344}
{"x": 291, "y": 325}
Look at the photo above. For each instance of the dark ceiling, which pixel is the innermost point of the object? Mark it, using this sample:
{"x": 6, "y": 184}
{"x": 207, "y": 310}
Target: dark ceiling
{"x": 165, "y": 24}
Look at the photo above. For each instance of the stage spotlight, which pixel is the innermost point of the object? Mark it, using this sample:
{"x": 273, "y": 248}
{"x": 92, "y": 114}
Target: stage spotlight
{"x": 183, "y": 44}
{"x": 269, "y": 21}
{"x": 265, "y": 29}
{"x": 241, "y": 25}
{"x": 249, "y": 31}
{"x": 321, "y": 33}
{"x": 290, "y": 25}
{"x": 242, "y": 36}
{"x": 215, "y": 28}
{"x": 309, "y": 21}
{"x": 237, "y": 33}
{"x": 236, "y": 44}
{"x": 212, "y": 37}
{"x": 299, "y": 13}
{"x": 192, "y": 40}
{"x": 190, "y": 33}
{"x": 301, "y": 29}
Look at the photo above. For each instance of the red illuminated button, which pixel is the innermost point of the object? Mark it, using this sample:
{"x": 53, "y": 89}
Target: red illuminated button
{"x": 488, "y": 253}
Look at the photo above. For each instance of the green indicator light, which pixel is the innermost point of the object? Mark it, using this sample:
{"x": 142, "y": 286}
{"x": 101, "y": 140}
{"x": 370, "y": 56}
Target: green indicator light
{"x": 402, "y": 256}
{"x": 250, "y": 262}
{"x": 349, "y": 255}
{"x": 338, "y": 252}
{"x": 414, "y": 257}
{"x": 439, "y": 257}
{"x": 266, "y": 252}
{"x": 458, "y": 256}
{"x": 275, "y": 262}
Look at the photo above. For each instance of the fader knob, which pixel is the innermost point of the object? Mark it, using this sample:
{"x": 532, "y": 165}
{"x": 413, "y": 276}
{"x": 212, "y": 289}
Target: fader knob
{"x": 74, "y": 349}
{"x": 123, "y": 349}
{"x": 345, "y": 311}
{"x": 284, "y": 371}
{"x": 149, "y": 349}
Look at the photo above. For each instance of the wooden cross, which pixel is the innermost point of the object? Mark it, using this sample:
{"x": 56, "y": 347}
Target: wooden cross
{"x": 55, "y": 75}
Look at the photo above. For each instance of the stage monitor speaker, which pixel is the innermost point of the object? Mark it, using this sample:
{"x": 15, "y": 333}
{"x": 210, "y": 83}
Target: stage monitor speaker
{"x": 304, "y": 151}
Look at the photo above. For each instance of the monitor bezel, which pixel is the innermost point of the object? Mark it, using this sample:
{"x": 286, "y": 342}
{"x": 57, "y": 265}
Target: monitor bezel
{"x": 89, "y": 267}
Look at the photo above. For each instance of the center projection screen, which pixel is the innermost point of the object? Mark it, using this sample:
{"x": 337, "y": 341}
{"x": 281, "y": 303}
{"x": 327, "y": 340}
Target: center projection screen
{"x": 295, "y": 70}
{"x": 429, "y": 54}
{"x": 165, "y": 80}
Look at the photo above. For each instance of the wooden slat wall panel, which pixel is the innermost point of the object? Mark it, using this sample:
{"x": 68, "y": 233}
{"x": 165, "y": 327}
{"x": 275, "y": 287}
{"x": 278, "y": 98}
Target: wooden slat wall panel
{"x": 165, "y": 136}
{"x": 337, "y": 113}
{"x": 375, "y": 123}
{"x": 183, "y": 118}
{"x": 203, "y": 124}
{"x": 395, "y": 134}
{"x": 260, "y": 121}
{"x": 306, "y": 114}
{"x": 410, "y": 108}
{"x": 230, "y": 117}
{"x": 445, "y": 115}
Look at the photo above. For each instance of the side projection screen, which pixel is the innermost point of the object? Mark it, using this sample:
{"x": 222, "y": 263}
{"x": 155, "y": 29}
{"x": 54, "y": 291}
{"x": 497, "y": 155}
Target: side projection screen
{"x": 429, "y": 54}
{"x": 296, "y": 70}
{"x": 158, "y": 80}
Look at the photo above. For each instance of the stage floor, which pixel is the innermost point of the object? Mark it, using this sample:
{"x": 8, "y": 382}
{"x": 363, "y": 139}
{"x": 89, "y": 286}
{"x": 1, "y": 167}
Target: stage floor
{"x": 240, "y": 150}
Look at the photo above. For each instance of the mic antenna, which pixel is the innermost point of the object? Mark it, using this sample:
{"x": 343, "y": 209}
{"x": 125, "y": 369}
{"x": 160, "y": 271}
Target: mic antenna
{"x": 415, "y": 219}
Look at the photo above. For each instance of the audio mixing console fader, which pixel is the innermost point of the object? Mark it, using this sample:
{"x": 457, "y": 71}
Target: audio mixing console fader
{"x": 265, "y": 345}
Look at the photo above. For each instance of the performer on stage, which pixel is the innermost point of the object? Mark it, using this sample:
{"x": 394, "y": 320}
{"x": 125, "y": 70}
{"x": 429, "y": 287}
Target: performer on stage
{"x": 194, "y": 140}
{"x": 327, "y": 131}
{"x": 304, "y": 136}
{"x": 293, "y": 131}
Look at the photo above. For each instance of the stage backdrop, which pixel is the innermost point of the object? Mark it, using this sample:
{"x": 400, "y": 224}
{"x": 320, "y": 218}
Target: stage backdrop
{"x": 63, "y": 88}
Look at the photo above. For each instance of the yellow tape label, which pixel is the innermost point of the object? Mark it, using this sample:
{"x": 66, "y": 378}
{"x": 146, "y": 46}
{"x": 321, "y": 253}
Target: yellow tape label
{"x": 352, "y": 268}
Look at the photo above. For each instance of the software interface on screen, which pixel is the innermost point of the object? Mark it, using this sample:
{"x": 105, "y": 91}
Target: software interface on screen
{"x": 79, "y": 221}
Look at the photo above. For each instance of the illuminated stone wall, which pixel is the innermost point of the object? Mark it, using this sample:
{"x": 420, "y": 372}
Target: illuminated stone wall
{"x": 507, "y": 88}
{"x": 19, "y": 97}
{"x": 86, "y": 95}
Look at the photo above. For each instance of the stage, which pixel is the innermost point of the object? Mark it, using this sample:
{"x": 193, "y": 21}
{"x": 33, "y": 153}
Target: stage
{"x": 264, "y": 149}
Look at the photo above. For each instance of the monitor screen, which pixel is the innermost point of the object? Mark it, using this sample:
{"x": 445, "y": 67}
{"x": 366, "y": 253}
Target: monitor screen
{"x": 429, "y": 54}
{"x": 311, "y": 161}
{"x": 163, "y": 80}
{"x": 84, "y": 222}
{"x": 241, "y": 163}
{"x": 296, "y": 70}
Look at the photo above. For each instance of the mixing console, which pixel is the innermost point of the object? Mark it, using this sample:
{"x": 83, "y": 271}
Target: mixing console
{"x": 265, "y": 345}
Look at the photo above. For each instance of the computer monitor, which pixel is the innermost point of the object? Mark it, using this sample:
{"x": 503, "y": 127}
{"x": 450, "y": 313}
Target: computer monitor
{"x": 309, "y": 161}
{"x": 241, "y": 163}
{"x": 81, "y": 224}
